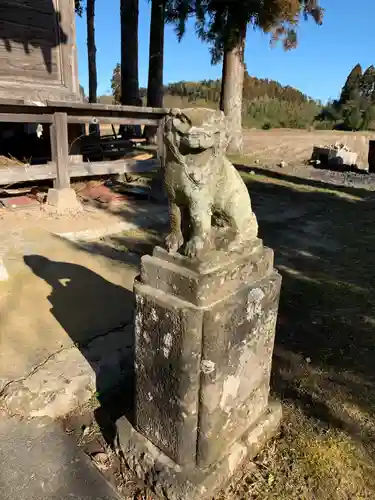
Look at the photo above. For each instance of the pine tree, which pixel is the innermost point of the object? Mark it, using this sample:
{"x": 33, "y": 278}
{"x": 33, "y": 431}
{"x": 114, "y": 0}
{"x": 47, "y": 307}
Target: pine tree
{"x": 369, "y": 118}
{"x": 78, "y": 7}
{"x": 367, "y": 85}
{"x": 351, "y": 91}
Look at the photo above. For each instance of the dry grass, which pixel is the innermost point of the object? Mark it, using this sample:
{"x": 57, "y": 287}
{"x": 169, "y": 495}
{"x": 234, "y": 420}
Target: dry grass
{"x": 10, "y": 162}
{"x": 306, "y": 463}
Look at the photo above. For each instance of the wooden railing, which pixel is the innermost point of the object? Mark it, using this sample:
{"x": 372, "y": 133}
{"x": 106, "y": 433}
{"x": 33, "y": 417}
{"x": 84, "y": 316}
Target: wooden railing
{"x": 65, "y": 165}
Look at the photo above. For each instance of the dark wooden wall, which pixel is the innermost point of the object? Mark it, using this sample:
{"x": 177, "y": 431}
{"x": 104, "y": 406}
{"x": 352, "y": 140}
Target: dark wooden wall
{"x": 38, "y": 50}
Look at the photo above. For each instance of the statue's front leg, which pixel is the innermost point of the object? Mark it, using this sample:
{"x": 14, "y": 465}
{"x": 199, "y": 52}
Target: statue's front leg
{"x": 175, "y": 239}
{"x": 200, "y": 220}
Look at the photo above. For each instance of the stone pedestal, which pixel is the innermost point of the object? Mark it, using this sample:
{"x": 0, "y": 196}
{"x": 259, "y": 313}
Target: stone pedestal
{"x": 204, "y": 334}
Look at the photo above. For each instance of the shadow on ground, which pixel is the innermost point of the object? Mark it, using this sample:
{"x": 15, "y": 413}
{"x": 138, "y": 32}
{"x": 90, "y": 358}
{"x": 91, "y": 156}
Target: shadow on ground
{"x": 325, "y": 255}
{"x": 150, "y": 224}
{"x": 82, "y": 301}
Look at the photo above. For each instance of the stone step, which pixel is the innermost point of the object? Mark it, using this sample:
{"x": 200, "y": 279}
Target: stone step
{"x": 41, "y": 462}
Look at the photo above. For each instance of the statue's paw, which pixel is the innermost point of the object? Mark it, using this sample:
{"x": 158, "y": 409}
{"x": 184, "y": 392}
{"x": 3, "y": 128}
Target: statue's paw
{"x": 173, "y": 242}
{"x": 194, "y": 247}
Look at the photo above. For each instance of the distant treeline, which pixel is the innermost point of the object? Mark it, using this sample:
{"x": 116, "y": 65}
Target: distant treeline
{"x": 268, "y": 104}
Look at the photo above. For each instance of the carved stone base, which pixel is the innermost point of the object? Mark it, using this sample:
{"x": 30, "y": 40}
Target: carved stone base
{"x": 204, "y": 334}
{"x": 174, "y": 482}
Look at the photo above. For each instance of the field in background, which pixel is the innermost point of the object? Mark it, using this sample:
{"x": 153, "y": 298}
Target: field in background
{"x": 293, "y": 146}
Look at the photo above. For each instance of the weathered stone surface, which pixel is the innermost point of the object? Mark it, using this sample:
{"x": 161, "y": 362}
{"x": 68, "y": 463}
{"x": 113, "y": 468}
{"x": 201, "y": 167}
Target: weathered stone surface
{"x": 203, "y": 187}
{"x": 168, "y": 335}
{"x": 204, "y": 324}
{"x": 174, "y": 482}
{"x": 204, "y": 334}
{"x": 237, "y": 345}
{"x": 202, "y": 283}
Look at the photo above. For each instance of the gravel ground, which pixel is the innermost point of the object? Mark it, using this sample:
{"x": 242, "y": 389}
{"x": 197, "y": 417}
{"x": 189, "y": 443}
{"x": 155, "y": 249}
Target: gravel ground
{"x": 352, "y": 179}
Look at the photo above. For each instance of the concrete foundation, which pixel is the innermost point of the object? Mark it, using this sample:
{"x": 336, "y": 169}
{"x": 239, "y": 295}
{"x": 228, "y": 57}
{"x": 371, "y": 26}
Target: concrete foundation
{"x": 204, "y": 334}
{"x": 63, "y": 200}
{"x": 334, "y": 157}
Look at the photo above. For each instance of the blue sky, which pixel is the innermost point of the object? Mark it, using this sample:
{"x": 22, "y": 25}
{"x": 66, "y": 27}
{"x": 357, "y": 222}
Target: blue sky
{"x": 318, "y": 67}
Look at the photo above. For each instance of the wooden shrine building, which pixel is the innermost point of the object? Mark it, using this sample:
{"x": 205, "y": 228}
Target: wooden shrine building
{"x": 38, "y": 60}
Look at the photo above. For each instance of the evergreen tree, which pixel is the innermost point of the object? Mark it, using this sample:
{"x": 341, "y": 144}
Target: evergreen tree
{"x": 91, "y": 46}
{"x": 369, "y": 118}
{"x": 129, "y": 10}
{"x": 350, "y": 91}
{"x": 78, "y": 7}
{"x": 354, "y": 110}
{"x": 353, "y": 119}
{"x": 116, "y": 83}
{"x": 367, "y": 85}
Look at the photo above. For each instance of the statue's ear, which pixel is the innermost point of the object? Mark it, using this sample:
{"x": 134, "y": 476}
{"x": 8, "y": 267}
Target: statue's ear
{"x": 181, "y": 126}
{"x": 174, "y": 111}
{"x": 168, "y": 123}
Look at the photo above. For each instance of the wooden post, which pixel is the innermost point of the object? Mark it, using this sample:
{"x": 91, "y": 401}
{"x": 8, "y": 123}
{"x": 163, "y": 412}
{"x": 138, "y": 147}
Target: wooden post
{"x": 60, "y": 149}
{"x": 62, "y": 197}
{"x": 160, "y": 142}
{"x": 157, "y": 184}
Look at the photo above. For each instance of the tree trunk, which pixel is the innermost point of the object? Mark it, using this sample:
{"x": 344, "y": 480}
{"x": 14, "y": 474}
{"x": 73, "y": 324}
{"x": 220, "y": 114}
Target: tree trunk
{"x": 91, "y": 50}
{"x": 223, "y": 73}
{"x": 232, "y": 89}
{"x": 129, "y": 52}
{"x": 156, "y": 61}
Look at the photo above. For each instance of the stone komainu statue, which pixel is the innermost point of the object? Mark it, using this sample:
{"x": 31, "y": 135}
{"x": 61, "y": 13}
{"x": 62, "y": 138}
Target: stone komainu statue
{"x": 201, "y": 183}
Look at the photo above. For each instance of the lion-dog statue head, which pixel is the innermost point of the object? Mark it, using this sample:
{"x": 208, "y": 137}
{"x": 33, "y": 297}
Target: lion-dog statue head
{"x": 194, "y": 130}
